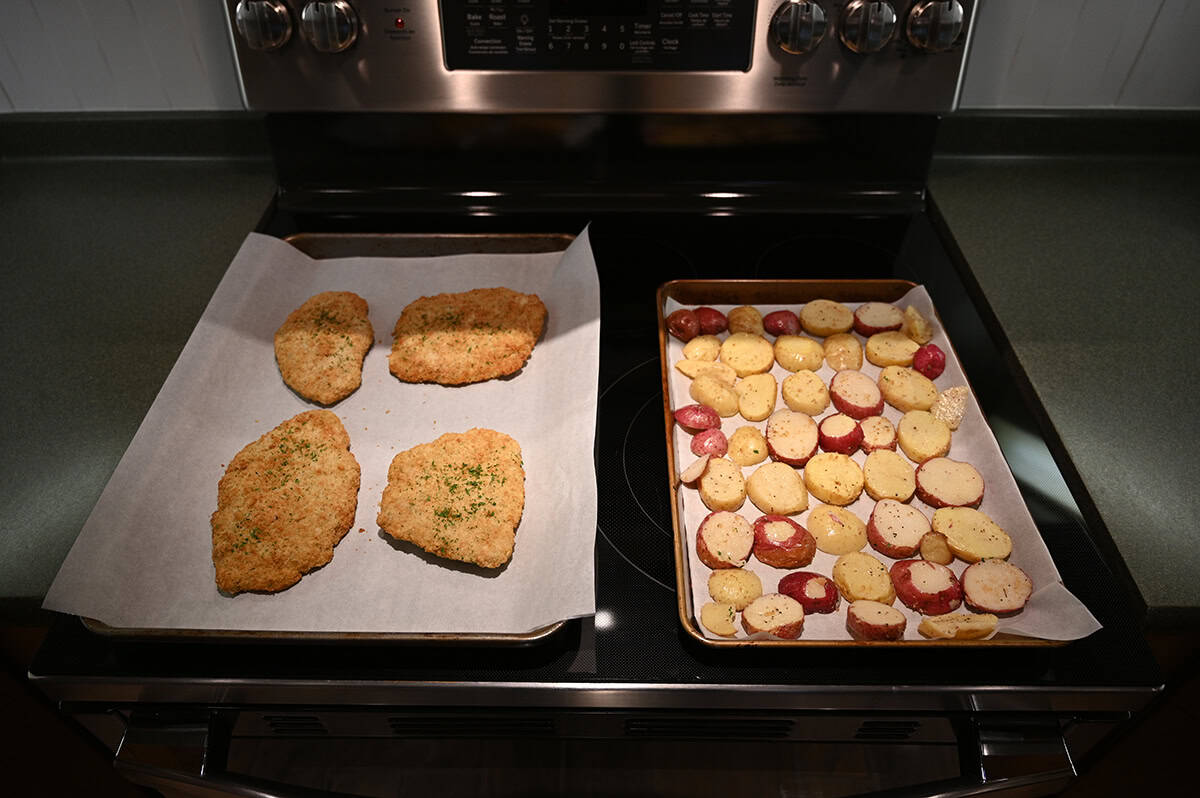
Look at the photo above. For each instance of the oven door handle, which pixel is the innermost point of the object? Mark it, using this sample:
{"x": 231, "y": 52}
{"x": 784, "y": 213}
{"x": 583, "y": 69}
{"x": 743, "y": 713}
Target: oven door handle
{"x": 188, "y": 758}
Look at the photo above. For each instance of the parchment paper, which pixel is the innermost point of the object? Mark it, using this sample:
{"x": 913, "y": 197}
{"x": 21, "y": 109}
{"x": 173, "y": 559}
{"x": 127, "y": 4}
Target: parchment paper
{"x": 143, "y": 559}
{"x": 1052, "y": 613}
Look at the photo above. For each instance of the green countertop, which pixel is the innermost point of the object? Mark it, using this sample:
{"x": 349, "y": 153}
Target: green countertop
{"x": 108, "y": 266}
{"x": 1090, "y": 263}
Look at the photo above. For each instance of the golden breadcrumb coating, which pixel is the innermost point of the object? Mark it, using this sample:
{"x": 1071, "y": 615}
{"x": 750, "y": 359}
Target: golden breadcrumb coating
{"x": 283, "y": 504}
{"x": 454, "y": 339}
{"x": 460, "y": 497}
{"x": 321, "y": 346}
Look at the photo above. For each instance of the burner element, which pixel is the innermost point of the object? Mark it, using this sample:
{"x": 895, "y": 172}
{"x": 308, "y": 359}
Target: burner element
{"x": 634, "y": 512}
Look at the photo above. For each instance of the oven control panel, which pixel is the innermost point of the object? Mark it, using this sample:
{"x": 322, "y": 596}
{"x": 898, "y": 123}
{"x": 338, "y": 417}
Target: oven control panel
{"x": 598, "y": 34}
{"x": 496, "y": 56}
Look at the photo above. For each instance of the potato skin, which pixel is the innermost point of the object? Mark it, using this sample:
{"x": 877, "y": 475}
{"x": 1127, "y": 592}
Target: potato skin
{"x": 745, "y": 319}
{"x": 683, "y": 324}
{"x": 716, "y": 557}
{"x": 795, "y": 552}
{"x": 711, "y": 442}
{"x": 781, "y": 322}
{"x": 694, "y": 418}
{"x": 712, "y": 321}
{"x": 795, "y": 585}
{"x": 871, "y": 620}
{"x": 918, "y": 600}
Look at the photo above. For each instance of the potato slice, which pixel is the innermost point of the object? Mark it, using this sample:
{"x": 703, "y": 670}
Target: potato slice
{"x": 721, "y": 485}
{"x": 756, "y": 396}
{"x": 745, "y": 319}
{"x": 747, "y": 354}
{"x": 704, "y": 368}
{"x": 775, "y": 614}
{"x": 874, "y": 620}
{"x": 905, "y": 389}
{"x": 843, "y": 351}
{"x": 833, "y": 478}
{"x": 798, "y": 353}
{"x": 734, "y": 586}
{"x": 836, "y": 530}
{"x": 823, "y": 317}
{"x": 916, "y": 326}
{"x": 858, "y": 575}
{"x": 958, "y": 626}
{"x": 711, "y": 392}
{"x": 747, "y": 446}
{"x": 805, "y": 392}
{"x": 891, "y": 349}
{"x": 971, "y": 535}
{"x": 718, "y": 618}
{"x": 922, "y": 436}
{"x": 997, "y": 587}
{"x": 702, "y": 347}
{"x": 777, "y": 489}
{"x": 887, "y": 475}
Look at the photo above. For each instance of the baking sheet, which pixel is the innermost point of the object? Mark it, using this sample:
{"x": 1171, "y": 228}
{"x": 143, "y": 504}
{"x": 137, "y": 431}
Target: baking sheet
{"x": 143, "y": 559}
{"x": 1052, "y": 614}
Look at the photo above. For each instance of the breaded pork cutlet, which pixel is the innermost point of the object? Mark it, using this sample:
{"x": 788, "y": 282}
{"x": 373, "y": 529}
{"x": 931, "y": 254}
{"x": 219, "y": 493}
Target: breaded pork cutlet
{"x": 454, "y": 339}
{"x": 283, "y": 504}
{"x": 321, "y": 346}
{"x": 460, "y": 497}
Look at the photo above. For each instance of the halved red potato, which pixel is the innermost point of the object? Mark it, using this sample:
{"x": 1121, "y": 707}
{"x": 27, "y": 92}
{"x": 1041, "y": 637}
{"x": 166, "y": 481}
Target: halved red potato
{"x": 781, "y": 322}
{"x": 877, "y": 317}
{"x": 895, "y": 529}
{"x": 712, "y": 321}
{"x": 930, "y": 360}
{"x": 694, "y": 418}
{"x": 878, "y": 433}
{"x": 926, "y": 587}
{"x": 724, "y": 540}
{"x": 776, "y": 614}
{"x": 791, "y": 437}
{"x": 855, "y": 394}
{"x": 711, "y": 442}
{"x": 782, "y": 543}
{"x": 942, "y": 482}
{"x": 996, "y": 586}
{"x": 839, "y": 433}
{"x": 683, "y": 324}
{"x": 816, "y": 593}
{"x": 871, "y": 620}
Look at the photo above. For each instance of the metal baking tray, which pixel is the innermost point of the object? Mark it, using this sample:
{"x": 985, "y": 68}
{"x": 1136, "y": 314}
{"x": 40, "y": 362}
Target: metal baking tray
{"x": 770, "y": 295}
{"x": 336, "y": 245}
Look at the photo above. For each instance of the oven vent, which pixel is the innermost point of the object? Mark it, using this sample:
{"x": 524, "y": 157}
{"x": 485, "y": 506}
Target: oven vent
{"x": 295, "y": 725}
{"x": 887, "y": 729}
{"x": 424, "y": 727}
{"x": 709, "y": 728}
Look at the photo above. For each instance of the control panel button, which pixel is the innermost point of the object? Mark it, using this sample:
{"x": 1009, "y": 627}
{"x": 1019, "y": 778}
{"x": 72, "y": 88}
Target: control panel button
{"x": 330, "y": 26}
{"x": 935, "y": 26}
{"x": 866, "y": 26}
{"x": 798, "y": 26}
{"x": 263, "y": 24}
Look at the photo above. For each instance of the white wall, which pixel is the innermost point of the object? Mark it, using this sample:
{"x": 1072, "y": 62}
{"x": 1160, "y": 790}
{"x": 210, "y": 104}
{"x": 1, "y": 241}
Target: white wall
{"x": 120, "y": 55}
{"x": 115, "y": 55}
{"x": 1085, "y": 54}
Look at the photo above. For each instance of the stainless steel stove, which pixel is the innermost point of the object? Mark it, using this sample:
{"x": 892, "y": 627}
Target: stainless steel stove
{"x": 702, "y": 139}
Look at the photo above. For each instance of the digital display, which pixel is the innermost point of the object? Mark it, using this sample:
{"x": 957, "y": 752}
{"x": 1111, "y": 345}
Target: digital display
{"x": 598, "y": 8}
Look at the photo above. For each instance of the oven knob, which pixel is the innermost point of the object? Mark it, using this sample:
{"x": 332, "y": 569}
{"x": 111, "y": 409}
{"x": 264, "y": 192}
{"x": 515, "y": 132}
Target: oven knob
{"x": 934, "y": 26}
{"x": 264, "y": 24}
{"x": 867, "y": 27}
{"x": 329, "y": 26}
{"x": 798, "y": 26}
